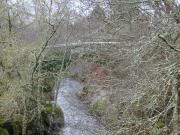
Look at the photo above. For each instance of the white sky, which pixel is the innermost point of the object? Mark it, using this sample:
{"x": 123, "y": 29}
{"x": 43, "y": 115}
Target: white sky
{"x": 75, "y": 5}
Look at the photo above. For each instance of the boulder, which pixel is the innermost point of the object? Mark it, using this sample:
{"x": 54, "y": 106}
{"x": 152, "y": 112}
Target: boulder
{"x": 57, "y": 117}
{"x": 3, "y": 131}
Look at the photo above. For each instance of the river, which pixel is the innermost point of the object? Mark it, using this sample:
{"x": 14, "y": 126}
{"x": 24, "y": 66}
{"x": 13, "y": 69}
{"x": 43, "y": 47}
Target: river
{"x": 77, "y": 119}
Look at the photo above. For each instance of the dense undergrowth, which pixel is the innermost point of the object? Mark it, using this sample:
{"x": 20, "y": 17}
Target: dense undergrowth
{"x": 25, "y": 106}
{"x": 135, "y": 89}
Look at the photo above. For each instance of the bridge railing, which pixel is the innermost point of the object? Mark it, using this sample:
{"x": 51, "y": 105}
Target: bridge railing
{"x": 83, "y": 44}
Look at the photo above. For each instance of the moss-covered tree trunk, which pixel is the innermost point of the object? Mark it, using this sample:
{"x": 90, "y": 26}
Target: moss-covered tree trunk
{"x": 176, "y": 113}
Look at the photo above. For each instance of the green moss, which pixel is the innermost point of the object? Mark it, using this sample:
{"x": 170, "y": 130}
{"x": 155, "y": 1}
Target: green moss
{"x": 111, "y": 120}
{"x": 137, "y": 110}
{"x": 59, "y": 111}
{"x": 99, "y": 106}
{"x": 3, "y": 131}
{"x": 48, "y": 108}
{"x": 58, "y": 116}
{"x": 160, "y": 124}
{"x": 158, "y": 131}
{"x": 84, "y": 94}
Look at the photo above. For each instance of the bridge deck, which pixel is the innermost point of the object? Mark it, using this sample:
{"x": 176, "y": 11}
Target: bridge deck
{"x": 85, "y": 44}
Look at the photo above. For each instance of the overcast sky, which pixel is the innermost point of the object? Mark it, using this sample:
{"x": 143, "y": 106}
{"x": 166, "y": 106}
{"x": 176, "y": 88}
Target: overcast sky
{"x": 75, "y": 5}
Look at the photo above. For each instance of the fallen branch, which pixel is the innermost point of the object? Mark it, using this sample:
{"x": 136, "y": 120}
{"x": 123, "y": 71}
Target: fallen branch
{"x": 168, "y": 44}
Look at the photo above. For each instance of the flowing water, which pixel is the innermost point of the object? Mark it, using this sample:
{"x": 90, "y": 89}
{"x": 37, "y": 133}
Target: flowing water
{"x": 77, "y": 119}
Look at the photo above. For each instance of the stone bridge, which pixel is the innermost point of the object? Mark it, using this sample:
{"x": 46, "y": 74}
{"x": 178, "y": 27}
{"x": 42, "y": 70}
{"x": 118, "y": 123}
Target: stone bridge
{"x": 80, "y": 47}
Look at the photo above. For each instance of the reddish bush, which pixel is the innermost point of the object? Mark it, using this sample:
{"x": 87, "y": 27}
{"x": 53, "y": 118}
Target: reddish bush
{"x": 101, "y": 74}
{"x": 97, "y": 73}
{"x": 92, "y": 67}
